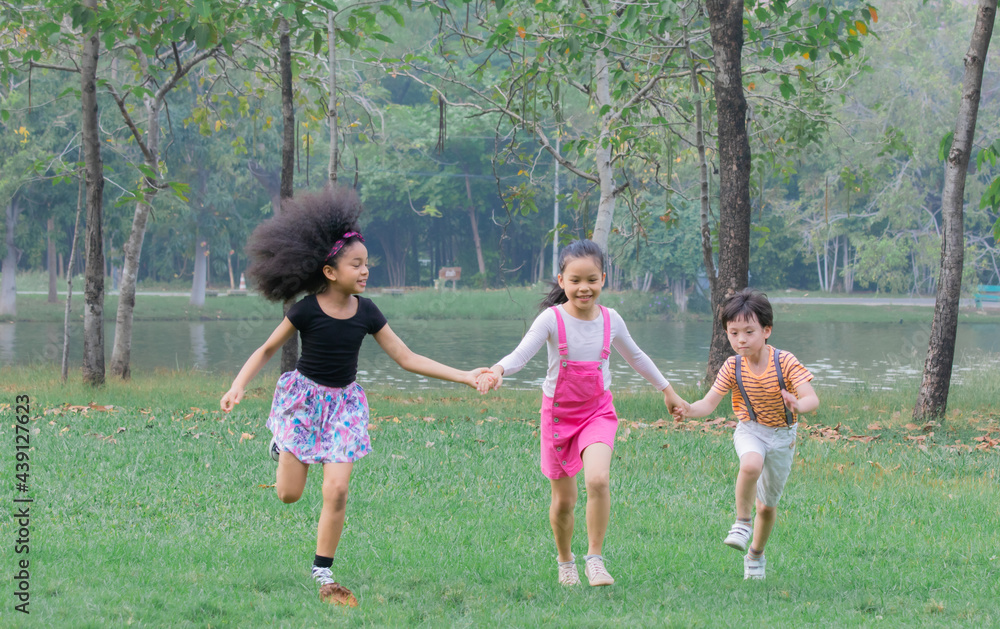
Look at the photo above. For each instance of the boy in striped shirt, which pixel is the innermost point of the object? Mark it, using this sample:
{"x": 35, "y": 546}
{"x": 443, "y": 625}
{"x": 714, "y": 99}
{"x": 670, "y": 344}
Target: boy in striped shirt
{"x": 770, "y": 387}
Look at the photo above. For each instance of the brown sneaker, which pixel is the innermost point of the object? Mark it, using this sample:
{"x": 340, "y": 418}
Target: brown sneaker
{"x": 337, "y": 594}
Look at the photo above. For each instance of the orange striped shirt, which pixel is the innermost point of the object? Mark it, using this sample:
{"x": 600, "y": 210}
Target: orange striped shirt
{"x": 763, "y": 390}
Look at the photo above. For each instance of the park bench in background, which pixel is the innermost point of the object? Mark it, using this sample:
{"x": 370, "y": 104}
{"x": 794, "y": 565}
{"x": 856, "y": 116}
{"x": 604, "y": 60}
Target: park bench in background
{"x": 985, "y": 292}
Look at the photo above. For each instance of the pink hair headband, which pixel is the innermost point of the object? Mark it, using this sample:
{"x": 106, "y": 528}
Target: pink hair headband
{"x": 337, "y": 246}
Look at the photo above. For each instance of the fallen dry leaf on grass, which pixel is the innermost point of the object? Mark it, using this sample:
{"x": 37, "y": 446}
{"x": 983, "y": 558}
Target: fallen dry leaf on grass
{"x": 986, "y": 442}
{"x": 107, "y": 438}
{"x": 863, "y": 438}
{"x": 246, "y": 436}
{"x": 265, "y": 486}
{"x": 874, "y": 426}
{"x": 879, "y": 466}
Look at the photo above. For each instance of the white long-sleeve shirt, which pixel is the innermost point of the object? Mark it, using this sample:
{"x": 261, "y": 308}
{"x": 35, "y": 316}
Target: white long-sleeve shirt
{"x": 585, "y": 340}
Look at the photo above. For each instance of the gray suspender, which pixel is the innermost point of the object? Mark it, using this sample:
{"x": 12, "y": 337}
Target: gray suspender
{"x": 789, "y": 417}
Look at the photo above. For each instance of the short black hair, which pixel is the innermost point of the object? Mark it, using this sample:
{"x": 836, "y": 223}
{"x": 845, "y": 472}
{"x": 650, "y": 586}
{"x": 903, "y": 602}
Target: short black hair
{"x": 745, "y": 304}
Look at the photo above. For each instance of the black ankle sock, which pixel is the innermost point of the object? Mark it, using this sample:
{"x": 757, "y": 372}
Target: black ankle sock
{"x": 323, "y": 562}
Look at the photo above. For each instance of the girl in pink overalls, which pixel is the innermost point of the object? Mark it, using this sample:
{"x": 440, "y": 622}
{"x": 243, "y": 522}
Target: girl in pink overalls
{"x": 578, "y": 419}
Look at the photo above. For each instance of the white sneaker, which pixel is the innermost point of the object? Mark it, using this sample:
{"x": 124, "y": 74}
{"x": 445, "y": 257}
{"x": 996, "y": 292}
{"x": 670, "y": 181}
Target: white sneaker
{"x": 739, "y": 536}
{"x": 273, "y": 448}
{"x": 323, "y": 576}
{"x": 568, "y": 574}
{"x": 596, "y": 573}
{"x": 754, "y": 568}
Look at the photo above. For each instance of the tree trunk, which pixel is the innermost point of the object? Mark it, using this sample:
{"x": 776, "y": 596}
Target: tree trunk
{"x": 395, "y": 250}
{"x": 848, "y": 269}
{"x": 602, "y": 157}
{"x": 726, "y": 25}
{"x": 8, "y": 283}
{"x": 93, "y": 311}
{"x": 287, "y": 112}
{"x": 932, "y": 399}
{"x": 679, "y": 289}
{"x": 200, "y": 280}
{"x": 332, "y": 115}
{"x": 50, "y": 226}
{"x": 555, "y": 211}
{"x": 121, "y": 354}
{"x": 699, "y": 131}
{"x": 819, "y": 269}
{"x": 290, "y": 350}
{"x": 69, "y": 282}
{"x": 474, "y": 224}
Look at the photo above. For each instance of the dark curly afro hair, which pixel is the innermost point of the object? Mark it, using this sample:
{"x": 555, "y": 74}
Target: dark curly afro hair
{"x": 288, "y": 252}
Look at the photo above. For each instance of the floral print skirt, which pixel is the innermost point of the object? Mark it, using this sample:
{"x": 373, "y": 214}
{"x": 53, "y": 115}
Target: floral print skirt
{"x": 319, "y": 424}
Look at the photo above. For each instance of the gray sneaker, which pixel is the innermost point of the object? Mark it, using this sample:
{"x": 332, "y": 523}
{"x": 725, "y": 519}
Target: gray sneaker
{"x": 754, "y": 568}
{"x": 273, "y": 449}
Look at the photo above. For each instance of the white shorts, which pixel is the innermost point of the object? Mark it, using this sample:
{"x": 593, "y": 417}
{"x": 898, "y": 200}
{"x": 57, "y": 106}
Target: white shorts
{"x": 777, "y": 446}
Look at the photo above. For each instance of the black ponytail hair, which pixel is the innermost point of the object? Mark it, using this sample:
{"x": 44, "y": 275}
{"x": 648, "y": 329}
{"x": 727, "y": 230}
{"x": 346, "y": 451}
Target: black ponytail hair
{"x": 288, "y": 251}
{"x": 576, "y": 249}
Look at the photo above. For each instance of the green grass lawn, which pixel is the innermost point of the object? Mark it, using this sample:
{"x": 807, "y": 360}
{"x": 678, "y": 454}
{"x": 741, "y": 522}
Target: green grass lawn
{"x": 159, "y": 512}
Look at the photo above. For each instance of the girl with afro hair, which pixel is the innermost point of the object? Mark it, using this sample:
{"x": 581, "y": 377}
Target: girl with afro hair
{"x": 320, "y": 414}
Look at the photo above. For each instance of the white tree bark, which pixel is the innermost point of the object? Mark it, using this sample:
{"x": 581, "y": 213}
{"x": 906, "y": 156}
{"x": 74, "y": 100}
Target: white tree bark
{"x": 606, "y": 206}
{"x": 8, "y": 283}
{"x": 121, "y": 353}
{"x": 149, "y": 143}
{"x": 200, "y": 280}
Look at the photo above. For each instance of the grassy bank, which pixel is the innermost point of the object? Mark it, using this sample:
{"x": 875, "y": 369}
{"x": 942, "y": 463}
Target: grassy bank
{"x": 154, "y": 509}
{"x": 514, "y": 304}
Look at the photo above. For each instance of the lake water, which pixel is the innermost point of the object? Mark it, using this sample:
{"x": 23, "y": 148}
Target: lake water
{"x": 883, "y": 356}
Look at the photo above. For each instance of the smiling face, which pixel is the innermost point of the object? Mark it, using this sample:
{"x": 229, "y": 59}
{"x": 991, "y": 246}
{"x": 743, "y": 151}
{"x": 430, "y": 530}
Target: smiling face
{"x": 581, "y": 279}
{"x": 349, "y": 272}
{"x": 747, "y": 337}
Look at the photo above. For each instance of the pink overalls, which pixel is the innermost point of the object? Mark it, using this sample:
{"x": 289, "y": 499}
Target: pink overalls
{"x": 580, "y": 412}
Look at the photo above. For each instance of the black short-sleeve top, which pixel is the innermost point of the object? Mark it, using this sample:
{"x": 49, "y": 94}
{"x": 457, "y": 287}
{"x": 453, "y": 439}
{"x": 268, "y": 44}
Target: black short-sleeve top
{"x": 330, "y": 346}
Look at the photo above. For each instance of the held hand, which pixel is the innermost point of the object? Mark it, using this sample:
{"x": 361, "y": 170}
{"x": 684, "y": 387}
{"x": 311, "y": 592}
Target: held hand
{"x": 790, "y": 401}
{"x": 681, "y": 411}
{"x": 475, "y": 377}
{"x": 231, "y": 398}
{"x": 489, "y": 379}
{"x": 675, "y": 404}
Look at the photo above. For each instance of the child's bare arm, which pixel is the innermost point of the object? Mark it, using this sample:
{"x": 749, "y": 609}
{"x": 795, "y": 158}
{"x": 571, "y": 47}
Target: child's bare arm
{"x": 416, "y": 363}
{"x": 806, "y": 402}
{"x": 258, "y": 359}
{"x": 704, "y": 406}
